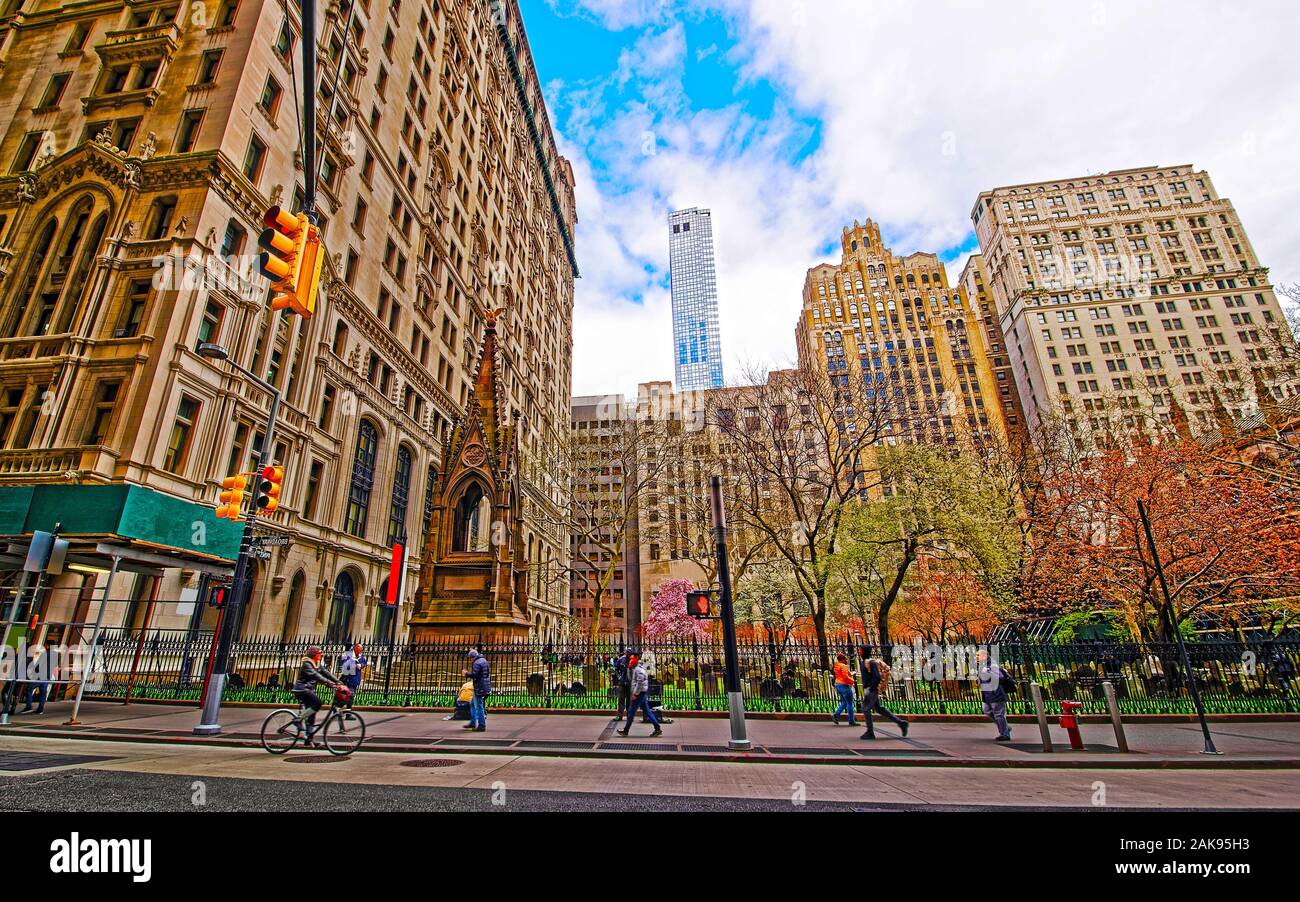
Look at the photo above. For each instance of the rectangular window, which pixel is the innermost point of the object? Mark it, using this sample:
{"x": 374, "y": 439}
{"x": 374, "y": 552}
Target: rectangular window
{"x": 188, "y": 133}
{"x": 27, "y": 152}
{"x": 182, "y": 430}
{"x": 210, "y": 326}
{"x": 115, "y": 80}
{"x": 133, "y": 310}
{"x": 208, "y": 65}
{"x": 226, "y": 13}
{"x": 254, "y": 158}
{"x": 314, "y": 478}
{"x": 284, "y": 42}
{"x": 77, "y": 40}
{"x": 54, "y": 91}
{"x": 101, "y": 414}
{"x": 269, "y": 102}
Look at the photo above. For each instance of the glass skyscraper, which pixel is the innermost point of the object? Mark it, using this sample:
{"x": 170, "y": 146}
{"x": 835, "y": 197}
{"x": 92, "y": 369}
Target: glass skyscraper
{"x": 697, "y": 345}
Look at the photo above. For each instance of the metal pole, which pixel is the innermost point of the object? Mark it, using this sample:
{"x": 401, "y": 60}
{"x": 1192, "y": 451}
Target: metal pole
{"x": 735, "y": 698}
{"x": 1178, "y": 634}
{"x": 94, "y": 643}
{"x": 209, "y": 720}
{"x": 1040, "y": 712}
{"x": 309, "y": 108}
{"x": 1112, "y": 704}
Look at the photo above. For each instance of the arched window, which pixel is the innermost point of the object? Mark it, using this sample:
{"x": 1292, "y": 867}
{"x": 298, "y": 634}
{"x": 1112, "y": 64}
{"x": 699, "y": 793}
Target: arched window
{"x": 296, "y": 590}
{"x": 23, "y": 297}
{"x": 80, "y": 279}
{"x": 385, "y": 615}
{"x": 430, "y": 480}
{"x": 363, "y": 479}
{"x": 473, "y": 521}
{"x": 341, "y": 609}
{"x": 401, "y": 490}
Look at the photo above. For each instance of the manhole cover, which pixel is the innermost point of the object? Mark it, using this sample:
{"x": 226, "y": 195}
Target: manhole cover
{"x": 314, "y": 759}
{"x": 431, "y": 762}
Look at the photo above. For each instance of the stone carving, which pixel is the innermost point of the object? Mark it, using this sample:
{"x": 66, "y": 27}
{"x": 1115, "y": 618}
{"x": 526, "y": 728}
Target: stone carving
{"x": 26, "y": 188}
{"x": 277, "y": 194}
{"x": 131, "y": 175}
{"x": 181, "y": 225}
{"x": 149, "y": 146}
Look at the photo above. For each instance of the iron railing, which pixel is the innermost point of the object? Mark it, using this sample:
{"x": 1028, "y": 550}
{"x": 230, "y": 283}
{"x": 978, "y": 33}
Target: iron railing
{"x": 1244, "y": 677}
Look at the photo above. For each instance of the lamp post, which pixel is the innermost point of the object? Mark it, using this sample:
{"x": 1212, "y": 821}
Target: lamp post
{"x": 209, "y": 720}
{"x": 1172, "y": 616}
{"x": 735, "y": 698}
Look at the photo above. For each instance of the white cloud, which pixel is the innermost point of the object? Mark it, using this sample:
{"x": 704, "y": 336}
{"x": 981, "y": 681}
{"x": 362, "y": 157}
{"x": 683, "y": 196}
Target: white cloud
{"x": 920, "y": 111}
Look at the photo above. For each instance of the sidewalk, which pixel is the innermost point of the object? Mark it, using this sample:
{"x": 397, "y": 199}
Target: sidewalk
{"x": 1166, "y": 745}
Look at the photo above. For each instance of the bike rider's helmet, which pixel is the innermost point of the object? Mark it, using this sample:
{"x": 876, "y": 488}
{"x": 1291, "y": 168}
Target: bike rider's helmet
{"x": 315, "y": 653}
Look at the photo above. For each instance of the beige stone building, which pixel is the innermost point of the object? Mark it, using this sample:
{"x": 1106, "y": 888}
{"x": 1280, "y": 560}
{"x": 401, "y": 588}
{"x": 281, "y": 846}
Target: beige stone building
{"x": 1121, "y": 293}
{"x": 895, "y": 321}
{"x": 140, "y": 143}
{"x": 974, "y": 284}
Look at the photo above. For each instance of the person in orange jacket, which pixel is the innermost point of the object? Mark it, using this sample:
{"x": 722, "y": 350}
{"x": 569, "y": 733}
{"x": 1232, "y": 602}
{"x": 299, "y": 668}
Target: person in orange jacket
{"x": 844, "y": 687}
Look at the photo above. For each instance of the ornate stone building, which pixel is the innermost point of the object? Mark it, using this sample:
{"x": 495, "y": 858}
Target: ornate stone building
{"x": 140, "y": 143}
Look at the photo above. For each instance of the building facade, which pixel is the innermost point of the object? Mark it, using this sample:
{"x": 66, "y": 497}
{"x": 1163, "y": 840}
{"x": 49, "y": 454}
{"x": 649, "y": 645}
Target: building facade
{"x": 141, "y": 144}
{"x": 974, "y": 285}
{"x": 1124, "y": 294}
{"x": 878, "y": 318}
{"x": 697, "y": 341}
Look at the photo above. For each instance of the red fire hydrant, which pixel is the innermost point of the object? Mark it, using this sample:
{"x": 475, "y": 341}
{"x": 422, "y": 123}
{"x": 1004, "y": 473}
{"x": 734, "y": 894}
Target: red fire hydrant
{"x": 1071, "y": 723}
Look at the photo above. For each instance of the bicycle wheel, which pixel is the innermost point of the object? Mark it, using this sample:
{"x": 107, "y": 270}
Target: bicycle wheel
{"x": 281, "y": 731}
{"x": 344, "y": 732}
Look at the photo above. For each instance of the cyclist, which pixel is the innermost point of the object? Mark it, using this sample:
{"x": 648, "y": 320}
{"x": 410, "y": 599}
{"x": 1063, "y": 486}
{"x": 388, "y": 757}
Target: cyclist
{"x": 304, "y": 687}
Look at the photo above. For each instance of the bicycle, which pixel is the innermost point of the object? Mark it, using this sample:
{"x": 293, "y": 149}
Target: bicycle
{"x": 343, "y": 729}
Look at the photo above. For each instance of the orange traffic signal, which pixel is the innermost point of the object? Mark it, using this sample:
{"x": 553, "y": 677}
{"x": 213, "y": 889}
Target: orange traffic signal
{"x": 292, "y": 258}
{"x": 232, "y": 496}
{"x": 268, "y": 489}
{"x": 697, "y": 603}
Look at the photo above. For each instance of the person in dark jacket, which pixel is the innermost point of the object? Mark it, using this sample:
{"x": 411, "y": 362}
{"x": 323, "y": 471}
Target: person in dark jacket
{"x": 310, "y": 673}
{"x": 871, "y": 679}
{"x": 994, "y": 694}
{"x": 478, "y": 673}
{"x": 350, "y": 668}
{"x": 621, "y": 677}
{"x": 639, "y": 697}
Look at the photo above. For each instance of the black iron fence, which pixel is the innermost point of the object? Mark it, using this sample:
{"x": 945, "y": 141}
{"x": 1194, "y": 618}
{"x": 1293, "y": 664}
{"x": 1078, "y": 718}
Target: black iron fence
{"x": 1244, "y": 677}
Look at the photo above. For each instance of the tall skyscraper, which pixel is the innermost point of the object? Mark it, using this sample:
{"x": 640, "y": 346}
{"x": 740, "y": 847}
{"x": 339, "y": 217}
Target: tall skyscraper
{"x": 1130, "y": 291}
{"x": 697, "y": 343}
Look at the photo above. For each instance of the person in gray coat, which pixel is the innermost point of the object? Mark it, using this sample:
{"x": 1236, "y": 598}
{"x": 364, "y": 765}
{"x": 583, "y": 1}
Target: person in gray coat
{"x": 639, "y": 697}
{"x": 994, "y": 694}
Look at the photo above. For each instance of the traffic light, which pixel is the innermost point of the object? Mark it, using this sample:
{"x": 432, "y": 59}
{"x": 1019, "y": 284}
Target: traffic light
{"x": 697, "y": 603}
{"x": 292, "y": 259}
{"x": 232, "y": 496}
{"x": 268, "y": 489}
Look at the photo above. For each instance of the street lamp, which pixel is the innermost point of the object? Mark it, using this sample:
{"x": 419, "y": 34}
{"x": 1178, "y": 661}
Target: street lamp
{"x": 209, "y": 719}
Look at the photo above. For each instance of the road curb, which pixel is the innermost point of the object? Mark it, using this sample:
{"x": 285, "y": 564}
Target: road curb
{"x": 1114, "y": 761}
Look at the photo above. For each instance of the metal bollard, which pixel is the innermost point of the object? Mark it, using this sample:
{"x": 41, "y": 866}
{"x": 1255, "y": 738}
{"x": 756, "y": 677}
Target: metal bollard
{"x": 1113, "y": 705}
{"x": 1036, "y": 692}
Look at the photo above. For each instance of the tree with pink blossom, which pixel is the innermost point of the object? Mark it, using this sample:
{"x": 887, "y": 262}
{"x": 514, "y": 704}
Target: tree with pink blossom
{"x": 668, "y": 618}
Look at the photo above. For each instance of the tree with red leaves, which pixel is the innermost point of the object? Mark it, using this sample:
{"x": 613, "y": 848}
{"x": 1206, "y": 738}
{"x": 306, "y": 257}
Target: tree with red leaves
{"x": 1225, "y": 537}
{"x": 668, "y": 618}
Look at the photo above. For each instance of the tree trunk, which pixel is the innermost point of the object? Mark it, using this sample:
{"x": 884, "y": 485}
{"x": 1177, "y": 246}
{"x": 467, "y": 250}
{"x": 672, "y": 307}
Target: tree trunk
{"x": 882, "y": 617}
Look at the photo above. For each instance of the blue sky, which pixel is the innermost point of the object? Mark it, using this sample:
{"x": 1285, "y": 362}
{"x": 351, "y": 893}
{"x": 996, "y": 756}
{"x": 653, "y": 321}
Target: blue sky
{"x": 790, "y": 119}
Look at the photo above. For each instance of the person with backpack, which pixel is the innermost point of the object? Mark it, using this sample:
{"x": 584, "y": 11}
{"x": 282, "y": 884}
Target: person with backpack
{"x": 639, "y": 697}
{"x": 875, "y": 680}
{"x": 479, "y": 674}
{"x": 350, "y": 668}
{"x": 995, "y": 684}
{"x": 844, "y": 688}
{"x": 621, "y": 678}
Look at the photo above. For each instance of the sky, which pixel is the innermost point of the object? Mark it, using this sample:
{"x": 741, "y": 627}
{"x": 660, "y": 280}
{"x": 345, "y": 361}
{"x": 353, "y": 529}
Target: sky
{"x": 791, "y": 119}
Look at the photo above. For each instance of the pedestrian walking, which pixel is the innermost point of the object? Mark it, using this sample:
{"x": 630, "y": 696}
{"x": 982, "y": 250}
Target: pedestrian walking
{"x": 656, "y": 687}
{"x": 350, "y": 668}
{"x": 639, "y": 697}
{"x": 875, "y": 679}
{"x": 38, "y": 683}
{"x": 994, "y": 682}
{"x": 844, "y": 688}
{"x": 621, "y": 677}
{"x": 478, "y": 672}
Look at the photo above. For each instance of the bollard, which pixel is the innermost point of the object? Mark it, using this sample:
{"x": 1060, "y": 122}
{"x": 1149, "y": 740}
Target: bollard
{"x": 1036, "y": 692}
{"x": 1113, "y": 705}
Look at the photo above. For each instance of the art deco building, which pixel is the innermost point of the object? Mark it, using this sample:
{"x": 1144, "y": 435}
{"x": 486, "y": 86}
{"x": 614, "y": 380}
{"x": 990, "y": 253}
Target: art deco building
{"x": 140, "y": 143}
{"x": 1123, "y": 294}
{"x": 974, "y": 284}
{"x": 878, "y": 318}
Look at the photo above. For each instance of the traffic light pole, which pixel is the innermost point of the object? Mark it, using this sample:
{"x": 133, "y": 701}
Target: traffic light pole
{"x": 308, "y": 15}
{"x": 735, "y": 698}
{"x": 241, "y": 584}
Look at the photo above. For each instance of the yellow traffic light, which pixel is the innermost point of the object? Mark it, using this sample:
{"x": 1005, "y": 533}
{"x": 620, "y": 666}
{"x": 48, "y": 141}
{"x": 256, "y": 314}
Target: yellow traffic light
{"x": 292, "y": 258}
{"x": 268, "y": 489}
{"x": 232, "y": 496}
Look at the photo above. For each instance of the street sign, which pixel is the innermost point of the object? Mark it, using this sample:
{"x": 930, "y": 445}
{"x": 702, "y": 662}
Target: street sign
{"x": 272, "y": 540}
{"x": 262, "y": 554}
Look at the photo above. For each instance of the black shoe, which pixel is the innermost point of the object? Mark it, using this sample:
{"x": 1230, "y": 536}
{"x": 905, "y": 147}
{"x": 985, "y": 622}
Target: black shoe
{"x": 621, "y": 732}
{"x": 903, "y": 727}
{"x": 481, "y": 729}
{"x": 836, "y": 719}
{"x": 1003, "y": 739}
{"x": 867, "y": 736}
{"x": 469, "y": 726}
{"x": 657, "y": 732}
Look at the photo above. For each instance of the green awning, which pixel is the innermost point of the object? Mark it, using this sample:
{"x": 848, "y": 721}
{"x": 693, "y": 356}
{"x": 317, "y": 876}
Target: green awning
{"x": 128, "y": 512}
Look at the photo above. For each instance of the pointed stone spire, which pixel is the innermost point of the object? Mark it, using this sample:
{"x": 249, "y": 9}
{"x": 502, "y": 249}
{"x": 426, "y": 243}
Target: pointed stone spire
{"x": 1268, "y": 407}
{"x": 1178, "y": 417}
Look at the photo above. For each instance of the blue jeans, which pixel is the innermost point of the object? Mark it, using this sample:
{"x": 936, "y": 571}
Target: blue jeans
{"x": 846, "y": 701}
{"x": 640, "y": 703}
{"x": 478, "y": 710}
